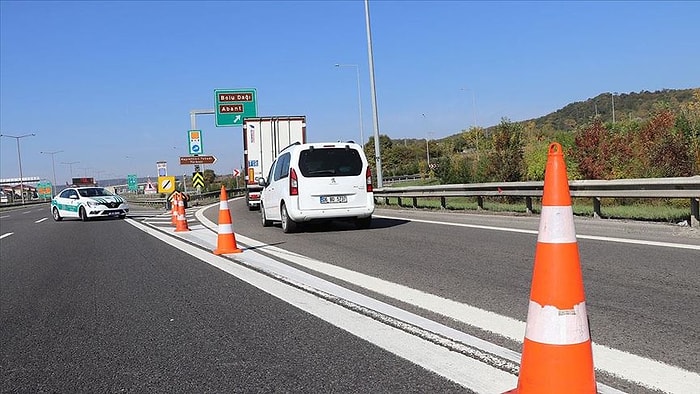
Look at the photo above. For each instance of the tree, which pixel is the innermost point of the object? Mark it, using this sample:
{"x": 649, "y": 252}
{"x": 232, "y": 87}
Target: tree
{"x": 209, "y": 177}
{"x": 505, "y": 160}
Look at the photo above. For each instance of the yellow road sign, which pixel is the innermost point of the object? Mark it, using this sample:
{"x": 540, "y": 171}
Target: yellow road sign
{"x": 197, "y": 179}
{"x": 166, "y": 184}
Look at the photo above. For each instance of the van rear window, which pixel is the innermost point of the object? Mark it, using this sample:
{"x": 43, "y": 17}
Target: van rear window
{"x": 319, "y": 162}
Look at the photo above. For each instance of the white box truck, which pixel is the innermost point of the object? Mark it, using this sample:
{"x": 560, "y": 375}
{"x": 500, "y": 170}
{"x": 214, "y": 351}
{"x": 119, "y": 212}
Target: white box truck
{"x": 263, "y": 138}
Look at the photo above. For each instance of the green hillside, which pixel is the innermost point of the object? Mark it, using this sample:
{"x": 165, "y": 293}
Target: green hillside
{"x": 628, "y": 106}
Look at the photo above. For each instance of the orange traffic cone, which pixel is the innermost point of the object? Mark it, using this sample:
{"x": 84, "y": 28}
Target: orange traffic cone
{"x": 557, "y": 355}
{"x": 181, "y": 224}
{"x": 226, "y": 241}
{"x": 173, "y": 203}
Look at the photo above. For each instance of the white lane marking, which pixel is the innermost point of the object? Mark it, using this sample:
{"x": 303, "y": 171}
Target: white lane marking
{"x": 516, "y": 230}
{"x": 40, "y": 220}
{"x": 4, "y": 217}
{"x": 617, "y": 362}
{"x": 5, "y": 235}
{"x": 643, "y": 371}
{"x": 454, "y": 366}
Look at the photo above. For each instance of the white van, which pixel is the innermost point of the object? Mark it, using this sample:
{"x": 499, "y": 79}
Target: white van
{"x": 318, "y": 181}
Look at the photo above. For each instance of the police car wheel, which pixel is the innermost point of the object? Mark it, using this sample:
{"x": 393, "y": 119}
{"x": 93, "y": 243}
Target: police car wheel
{"x": 56, "y": 216}
{"x": 83, "y": 215}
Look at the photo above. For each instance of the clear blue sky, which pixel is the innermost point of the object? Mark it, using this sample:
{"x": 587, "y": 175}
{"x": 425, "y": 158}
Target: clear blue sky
{"x": 111, "y": 83}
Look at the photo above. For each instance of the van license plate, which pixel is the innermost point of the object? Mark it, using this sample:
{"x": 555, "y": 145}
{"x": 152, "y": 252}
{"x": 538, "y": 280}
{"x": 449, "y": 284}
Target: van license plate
{"x": 333, "y": 199}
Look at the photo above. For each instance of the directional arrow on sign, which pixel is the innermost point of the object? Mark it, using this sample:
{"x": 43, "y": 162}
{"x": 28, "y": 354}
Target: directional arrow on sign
{"x": 237, "y": 119}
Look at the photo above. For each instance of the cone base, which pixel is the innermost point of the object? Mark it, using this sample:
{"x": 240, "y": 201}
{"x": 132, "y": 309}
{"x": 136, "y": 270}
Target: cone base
{"x": 227, "y": 251}
{"x": 177, "y": 230}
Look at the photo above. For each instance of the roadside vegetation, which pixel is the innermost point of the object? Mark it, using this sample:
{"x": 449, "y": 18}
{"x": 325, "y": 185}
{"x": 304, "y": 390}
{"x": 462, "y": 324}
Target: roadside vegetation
{"x": 652, "y": 135}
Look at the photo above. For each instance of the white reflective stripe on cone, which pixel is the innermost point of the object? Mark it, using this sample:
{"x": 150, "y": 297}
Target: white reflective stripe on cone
{"x": 223, "y": 205}
{"x": 226, "y": 228}
{"x": 547, "y": 324}
{"x": 557, "y": 225}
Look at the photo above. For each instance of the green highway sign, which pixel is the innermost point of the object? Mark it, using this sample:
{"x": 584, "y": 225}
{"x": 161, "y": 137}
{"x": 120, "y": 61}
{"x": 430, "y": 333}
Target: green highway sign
{"x": 132, "y": 182}
{"x": 231, "y": 106}
{"x": 44, "y": 190}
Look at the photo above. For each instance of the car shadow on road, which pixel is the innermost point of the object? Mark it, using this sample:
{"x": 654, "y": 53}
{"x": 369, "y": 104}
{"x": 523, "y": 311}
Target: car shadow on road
{"x": 340, "y": 225}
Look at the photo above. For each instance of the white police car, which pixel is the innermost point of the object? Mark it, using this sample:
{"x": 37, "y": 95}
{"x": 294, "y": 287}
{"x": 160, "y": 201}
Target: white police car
{"x": 86, "y": 203}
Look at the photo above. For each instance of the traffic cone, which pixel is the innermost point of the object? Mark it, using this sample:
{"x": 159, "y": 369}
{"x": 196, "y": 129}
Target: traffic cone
{"x": 181, "y": 224}
{"x": 173, "y": 203}
{"x": 226, "y": 240}
{"x": 557, "y": 355}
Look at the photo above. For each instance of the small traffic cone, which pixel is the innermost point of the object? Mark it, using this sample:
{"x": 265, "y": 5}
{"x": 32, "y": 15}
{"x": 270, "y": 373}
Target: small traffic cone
{"x": 557, "y": 355}
{"x": 173, "y": 203}
{"x": 226, "y": 241}
{"x": 181, "y": 224}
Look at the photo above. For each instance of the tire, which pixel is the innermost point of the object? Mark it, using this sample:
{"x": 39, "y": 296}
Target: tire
{"x": 56, "y": 215}
{"x": 265, "y": 222}
{"x": 363, "y": 223}
{"x": 288, "y": 225}
{"x": 83, "y": 215}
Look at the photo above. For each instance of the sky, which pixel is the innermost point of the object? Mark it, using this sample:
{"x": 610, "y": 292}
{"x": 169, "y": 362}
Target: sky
{"x": 109, "y": 85}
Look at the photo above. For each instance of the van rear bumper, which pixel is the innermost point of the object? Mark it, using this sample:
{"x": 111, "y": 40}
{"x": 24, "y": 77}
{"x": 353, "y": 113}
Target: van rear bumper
{"x": 335, "y": 213}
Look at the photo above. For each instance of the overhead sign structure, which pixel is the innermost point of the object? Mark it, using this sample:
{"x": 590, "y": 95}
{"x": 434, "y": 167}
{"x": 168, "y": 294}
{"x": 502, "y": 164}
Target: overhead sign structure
{"x": 195, "y": 142}
{"x": 197, "y": 179}
{"x": 186, "y": 160}
{"x": 231, "y": 106}
{"x": 166, "y": 184}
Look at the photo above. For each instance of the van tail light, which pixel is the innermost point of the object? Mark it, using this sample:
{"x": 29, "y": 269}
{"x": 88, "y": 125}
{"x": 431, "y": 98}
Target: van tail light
{"x": 368, "y": 175}
{"x": 293, "y": 183}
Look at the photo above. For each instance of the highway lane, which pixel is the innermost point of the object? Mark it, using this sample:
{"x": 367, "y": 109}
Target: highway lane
{"x": 436, "y": 258}
{"x": 643, "y": 299}
{"x": 101, "y": 307}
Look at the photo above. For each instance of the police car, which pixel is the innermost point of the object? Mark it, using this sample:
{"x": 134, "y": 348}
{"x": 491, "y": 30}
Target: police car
{"x": 86, "y": 203}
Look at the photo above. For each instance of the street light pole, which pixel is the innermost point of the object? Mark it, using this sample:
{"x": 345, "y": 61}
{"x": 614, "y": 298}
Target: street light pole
{"x": 53, "y": 165}
{"x": 70, "y": 165}
{"x": 359, "y": 99}
{"x": 19, "y": 158}
{"x": 612, "y": 96}
{"x": 375, "y": 115}
{"x": 476, "y": 132}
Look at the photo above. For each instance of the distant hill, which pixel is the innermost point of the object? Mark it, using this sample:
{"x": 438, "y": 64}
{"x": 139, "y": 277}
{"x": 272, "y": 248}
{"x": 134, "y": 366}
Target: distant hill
{"x": 627, "y": 106}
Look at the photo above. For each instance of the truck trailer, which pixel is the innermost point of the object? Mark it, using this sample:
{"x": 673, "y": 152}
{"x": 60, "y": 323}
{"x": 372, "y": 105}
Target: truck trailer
{"x": 263, "y": 138}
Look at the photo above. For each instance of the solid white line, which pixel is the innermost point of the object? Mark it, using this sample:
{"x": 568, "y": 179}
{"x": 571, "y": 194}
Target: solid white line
{"x": 40, "y": 220}
{"x": 516, "y": 230}
{"x": 454, "y": 366}
{"x": 5, "y": 235}
{"x": 646, "y": 372}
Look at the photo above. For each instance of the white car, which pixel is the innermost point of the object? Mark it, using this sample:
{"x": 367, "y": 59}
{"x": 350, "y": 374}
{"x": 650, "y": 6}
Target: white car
{"x": 86, "y": 203}
{"x": 318, "y": 181}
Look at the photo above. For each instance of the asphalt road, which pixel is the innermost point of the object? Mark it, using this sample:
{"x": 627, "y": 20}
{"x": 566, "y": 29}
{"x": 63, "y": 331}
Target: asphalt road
{"x": 641, "y": 279}
{"x": 100, "y": 307}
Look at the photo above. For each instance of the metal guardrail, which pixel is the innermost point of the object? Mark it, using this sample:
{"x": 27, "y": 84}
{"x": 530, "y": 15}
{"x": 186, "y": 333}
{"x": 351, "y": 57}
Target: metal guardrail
{"x": 681, "y": 187}
{"x": 194, "y": 199}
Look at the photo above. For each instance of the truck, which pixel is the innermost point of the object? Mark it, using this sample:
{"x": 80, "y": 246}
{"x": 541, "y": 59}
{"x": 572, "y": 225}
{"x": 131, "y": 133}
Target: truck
{"x": 263, "y": 138}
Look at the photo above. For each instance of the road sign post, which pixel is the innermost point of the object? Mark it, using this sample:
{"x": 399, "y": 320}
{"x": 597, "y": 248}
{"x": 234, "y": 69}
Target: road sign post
{"x": 234, "y": 105}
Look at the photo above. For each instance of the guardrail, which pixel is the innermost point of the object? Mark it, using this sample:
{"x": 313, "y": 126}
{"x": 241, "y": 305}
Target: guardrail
{"x": 194, "y": 199}
{"x": 681, "y": 187}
